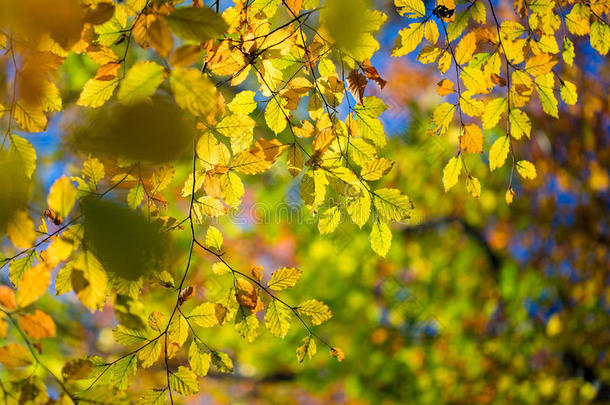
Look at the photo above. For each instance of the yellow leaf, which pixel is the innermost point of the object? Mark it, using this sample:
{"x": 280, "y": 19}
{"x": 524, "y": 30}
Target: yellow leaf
{"x": 193, "y": 91}
{"x": 33, "y": 285}
{"x": 465, "y": 48}
{"x": 243, "y": 103}
{"x": 568, "y": 92}
{"x": 14, "y": 355}
{"x": 526, "y": 169}
{"x": 410, "y": 8}
{"x": 277, "y": 319}
{"x": 213, "y": 238}
{"x": 307, "y": 348}
{"x": 540, "y": 64}
{"x": 38, "y": 325}
{"x": 520, "y": 124}
{"x": 283, "y": 278}
{"x": 337, "y": 353}
{"x": 408, "y": 39}
{"x": 380, "y": 238}
{"x": 97, "y": 92}
{"x": 473, "y": 185}
{"x": 546, "y": 86}
{"x": 62, "y": 196}
{"x": 30, "y": 117}
{"x": 472, "y": 139}
{"x": 316, "y": 310}
{"x": 493, "y": 112}
{"x": 329, "y": 220}
{"x": 199, "y": 358}
{"x": 20, "y": 230}
{"x": 376, "y": 169}
{"x": 509, "y": 196}
{"x": 275, "y": 114}
{"x": 204, "y": 315}
{"x": 451, "y": 172}
{"x": 499, "y": 152}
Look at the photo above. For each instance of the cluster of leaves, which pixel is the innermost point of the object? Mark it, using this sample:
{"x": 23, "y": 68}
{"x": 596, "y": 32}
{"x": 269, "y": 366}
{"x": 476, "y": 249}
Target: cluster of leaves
{"x": 167, "y": 64}
{"x": 520, "y": 55}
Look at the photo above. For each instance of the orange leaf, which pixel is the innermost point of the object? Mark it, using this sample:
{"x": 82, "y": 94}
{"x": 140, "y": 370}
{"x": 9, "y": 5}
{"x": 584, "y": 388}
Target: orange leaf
{"x": 372, "y": 74}
{"x": 472, "y": 139}
{"x": 38, "y": 325}
{"x": 33, "y": 284}
{"x": 7, "y": 297}
{"x": 444, "y": 87}
{"x": 337, "y": 353}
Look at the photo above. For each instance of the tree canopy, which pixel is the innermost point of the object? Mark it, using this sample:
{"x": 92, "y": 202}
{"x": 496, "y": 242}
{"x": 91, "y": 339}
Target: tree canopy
{"x": 285, "y": 201}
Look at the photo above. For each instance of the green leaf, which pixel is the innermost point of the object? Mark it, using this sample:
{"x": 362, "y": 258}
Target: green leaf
{"x": 306, "y": 348}
{"x": 196, "y": 23}
{"x": 600, "y": 37}
{"x": 316, "y": 310}
{"x": 199, "y": 358}
{"x": 204, "y": 315}
{"x": 392, "y": 205}
{"x": 184, "y": 381}
{"x": 246, "y": 324}
{"x": 122, "y": 370}
{"x": 153, "y": 397}
{"x": 546, "y": 86}
{"x": 150, "y": 354}
{"x": 128, "y": 337}
{"x": 178, "y": 330}
{"x": 135, "y": 196}
{"x": 222, "y": 362}
{"x": 23, "y": 151}
{"x": 380, "y": 238}
{"x": 193, "y": 91}
{"x": 141, "y": 82}
{"x": 277, "y": 319}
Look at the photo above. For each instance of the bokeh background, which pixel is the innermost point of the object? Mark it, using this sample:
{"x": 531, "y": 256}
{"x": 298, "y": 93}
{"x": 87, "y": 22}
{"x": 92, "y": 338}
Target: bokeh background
{"x": 476, "y": 302}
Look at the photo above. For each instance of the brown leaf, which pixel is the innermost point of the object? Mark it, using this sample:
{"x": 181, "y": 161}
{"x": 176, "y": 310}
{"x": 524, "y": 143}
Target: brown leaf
{"x": 498, "y": 80}
{"x": 186, "y": 294}
{"x": 356, "y": 83}
{"x": 107, "y": 72}
{"x": 372, "y": 74}
{"x": 185, "y": 55}
{"x": 337, "y": 353}
{"x": 246, "y": 294}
